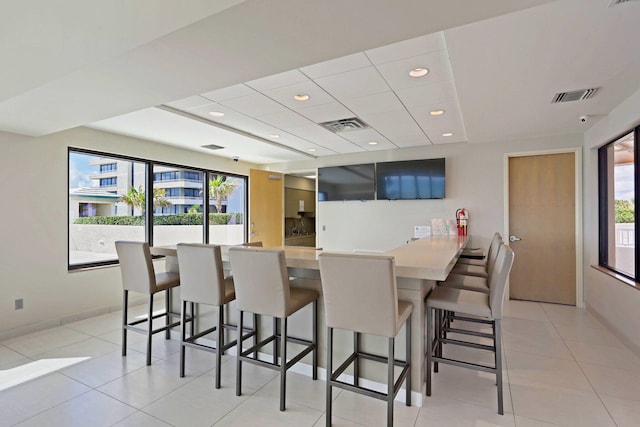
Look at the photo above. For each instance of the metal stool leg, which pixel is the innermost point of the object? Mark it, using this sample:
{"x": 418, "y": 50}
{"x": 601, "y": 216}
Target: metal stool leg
{"x": 497, "y": 336}
{"x": 125, "y": 310}
{"x": 183, "y": 337}
{"x": 150, "y": 329}
{"x": 314, "y": 340}
{"x": 329, "y": 374}
{"x": 407, "y": 383}
{"x": 429, "y": 349}
{"x": 283, "y": 363}
{"x": 238, "y": 361}
{"x": 390, "y": 382}
{"x": 356, "y": 362}
{"x": 167, "y": 316}
{"x": 220, "y": 345}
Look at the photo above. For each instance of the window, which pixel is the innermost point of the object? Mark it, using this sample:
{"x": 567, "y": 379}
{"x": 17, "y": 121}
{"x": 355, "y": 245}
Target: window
{"x": 172, "y": 192}
{"x": 227, "y": 207}
{"x": 109, "y": 167}
{"x": 617, "y": 181}
{"x": 192, "y": 176}
{"x": 192, "y": 192}
{"x": 165, "y": 176}
{"x": 99, "y": 216}
{"x": 108, "y": 182}
{"x": 103, "y": 210}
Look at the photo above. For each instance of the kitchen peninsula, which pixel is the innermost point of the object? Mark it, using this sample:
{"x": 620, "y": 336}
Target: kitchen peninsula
{"x": 419, "y": 264}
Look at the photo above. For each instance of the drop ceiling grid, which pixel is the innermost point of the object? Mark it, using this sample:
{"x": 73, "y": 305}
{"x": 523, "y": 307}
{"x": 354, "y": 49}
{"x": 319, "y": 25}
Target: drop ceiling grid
{"x": 373, "y": 85}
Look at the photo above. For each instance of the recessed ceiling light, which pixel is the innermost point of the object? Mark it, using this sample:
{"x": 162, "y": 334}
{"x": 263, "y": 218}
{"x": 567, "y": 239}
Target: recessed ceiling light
{"x": 301, "y": 97}
{"x": 312, "y": 149}
{"x": 436, "y": 112}
{"x": 373, "y": 143}
{"x": 274, "y": 135}
{"x": 447, "y": 134}
{"x": 419, "y": 72}
{"x": 216, "y": 113}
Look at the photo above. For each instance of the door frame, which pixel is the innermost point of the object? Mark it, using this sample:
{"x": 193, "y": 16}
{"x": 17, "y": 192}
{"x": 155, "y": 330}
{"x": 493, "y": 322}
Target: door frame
{"x": 577, "y": 151}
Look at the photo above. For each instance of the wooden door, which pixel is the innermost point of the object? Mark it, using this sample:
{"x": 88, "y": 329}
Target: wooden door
{"x": 542, "y": 214}
{"x": 266, "y": 219}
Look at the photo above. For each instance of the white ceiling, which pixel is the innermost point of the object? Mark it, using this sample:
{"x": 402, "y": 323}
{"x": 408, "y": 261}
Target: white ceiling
{"x": 494, "y": 68}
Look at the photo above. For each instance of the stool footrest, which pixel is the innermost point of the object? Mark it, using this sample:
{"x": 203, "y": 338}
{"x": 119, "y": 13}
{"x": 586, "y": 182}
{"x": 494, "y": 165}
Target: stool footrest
{"x": 333, "y": 378}
{"x": 310, "y": 346}
{"x": 467, "y": 332}
{"x": 462, "y": 364}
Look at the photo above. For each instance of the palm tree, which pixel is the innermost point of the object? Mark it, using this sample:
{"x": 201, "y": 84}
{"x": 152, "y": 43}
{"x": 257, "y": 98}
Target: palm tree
{"x": 220, "y": 188}
{"x": 135, "y": 198}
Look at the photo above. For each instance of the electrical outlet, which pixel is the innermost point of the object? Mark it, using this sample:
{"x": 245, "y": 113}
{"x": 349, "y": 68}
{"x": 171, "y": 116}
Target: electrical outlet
{"x": 19, "y": 304}
{"x": 324, "y": 228}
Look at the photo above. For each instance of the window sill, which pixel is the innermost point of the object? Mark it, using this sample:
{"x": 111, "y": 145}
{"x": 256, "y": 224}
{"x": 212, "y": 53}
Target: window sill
{"x": 617, "y": 276}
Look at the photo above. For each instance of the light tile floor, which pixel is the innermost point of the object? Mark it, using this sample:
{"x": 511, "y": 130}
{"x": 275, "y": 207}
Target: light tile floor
{"x": 562, "y": 367}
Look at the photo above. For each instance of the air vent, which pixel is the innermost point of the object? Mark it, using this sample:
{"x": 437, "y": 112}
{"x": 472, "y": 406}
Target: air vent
{"x": 617, "y": 2}
{"x": 344, "y": 125}
{"x": 576, "y": 95}
{"x": 212, "y": 147}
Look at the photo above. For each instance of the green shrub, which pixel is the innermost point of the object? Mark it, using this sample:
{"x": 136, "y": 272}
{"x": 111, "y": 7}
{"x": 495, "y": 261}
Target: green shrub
{"x": 624, "y": 212}
{"x": 173, "y": 219}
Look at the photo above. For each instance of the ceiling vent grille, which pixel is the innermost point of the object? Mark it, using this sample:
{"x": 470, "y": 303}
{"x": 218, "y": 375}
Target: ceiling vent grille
{"x": 617, "y": 2}
{"x": 212, "y": 147}
{"x": 344, "y": 125}
{"x": 576, "y": 95}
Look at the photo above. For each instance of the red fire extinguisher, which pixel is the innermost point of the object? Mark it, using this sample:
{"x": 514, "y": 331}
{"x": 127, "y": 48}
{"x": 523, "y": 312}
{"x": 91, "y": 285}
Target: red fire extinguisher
{"x": 461, "y": 218}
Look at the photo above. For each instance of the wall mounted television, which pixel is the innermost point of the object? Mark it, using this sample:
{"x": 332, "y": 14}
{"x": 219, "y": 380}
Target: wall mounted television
{"x": 411, "y": 179}
{"x": 350, "y": 182}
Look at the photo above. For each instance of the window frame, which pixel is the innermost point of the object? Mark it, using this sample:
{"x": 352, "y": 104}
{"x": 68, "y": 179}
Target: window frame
{"x": 604, "y": 213}
{"x": 149, "y": 180}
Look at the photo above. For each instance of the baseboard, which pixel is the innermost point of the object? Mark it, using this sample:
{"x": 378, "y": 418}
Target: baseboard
{"x": 61, "y": 321}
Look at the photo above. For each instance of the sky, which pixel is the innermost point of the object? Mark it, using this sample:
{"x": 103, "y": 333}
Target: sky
{"x": 623, "y": 175}
{"x": 79, "y": 170}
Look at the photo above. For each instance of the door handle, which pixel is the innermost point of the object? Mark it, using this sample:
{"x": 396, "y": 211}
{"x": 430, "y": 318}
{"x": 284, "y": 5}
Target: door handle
{"x": 514, "y": 238}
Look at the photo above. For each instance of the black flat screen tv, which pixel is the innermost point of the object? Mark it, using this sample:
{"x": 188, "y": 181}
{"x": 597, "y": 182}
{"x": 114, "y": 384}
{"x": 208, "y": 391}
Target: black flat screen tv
{"x": 411, "y": 179}
{"x": 351, "y": 182}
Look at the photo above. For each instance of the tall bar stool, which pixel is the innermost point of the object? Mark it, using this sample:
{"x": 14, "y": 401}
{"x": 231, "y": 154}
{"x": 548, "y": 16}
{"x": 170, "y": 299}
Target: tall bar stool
{"x": 202, "y": 281}
{"x": 263, "y": 287}
{"x": 360, "y": 295}
{"x": 138, "y": 275}
{"x": 480, "y": 270}
{"x": 472, "y": 282}
{"x": 477, "y": 256}
{"x": 482, "y": 307}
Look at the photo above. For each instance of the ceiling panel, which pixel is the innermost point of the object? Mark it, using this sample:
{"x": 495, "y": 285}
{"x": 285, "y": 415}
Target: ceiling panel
{"x": 407, "y": 48}
{"x": 429, "y": 95}
{"x": 254, "y": 105}
{"x": 235, "y": 91}
{"x": 325, "y": 112}
{"x": 285, "y": 119}
{"x": 397, "y": 76}
{"x": 337, "y": 66}
{"x": 353, "y": 84}
{"x": 375, "y": 103}
{"x": 277, "y": 80}
{"x": 285, "y": 95}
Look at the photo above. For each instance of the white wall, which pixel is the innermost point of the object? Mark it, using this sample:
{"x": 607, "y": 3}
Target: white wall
{"x": 474, "y": 180}
{"x": 33, "y": 254}
{"x": 614, "y": 301}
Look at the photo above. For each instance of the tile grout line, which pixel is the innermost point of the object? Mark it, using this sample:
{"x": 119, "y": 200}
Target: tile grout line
{"x": 581, "y": 368}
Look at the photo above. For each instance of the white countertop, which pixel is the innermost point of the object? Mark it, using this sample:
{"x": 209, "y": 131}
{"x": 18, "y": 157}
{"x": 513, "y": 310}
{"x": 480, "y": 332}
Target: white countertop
{"x": 429, "y": 258}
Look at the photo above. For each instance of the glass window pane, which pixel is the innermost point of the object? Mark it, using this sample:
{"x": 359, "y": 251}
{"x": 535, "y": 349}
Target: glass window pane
{"x": 622, "y": 221}
{"x": 178, "y": 201}
{"x": 104, "y": 206}
{"x": 227, "y": 201}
